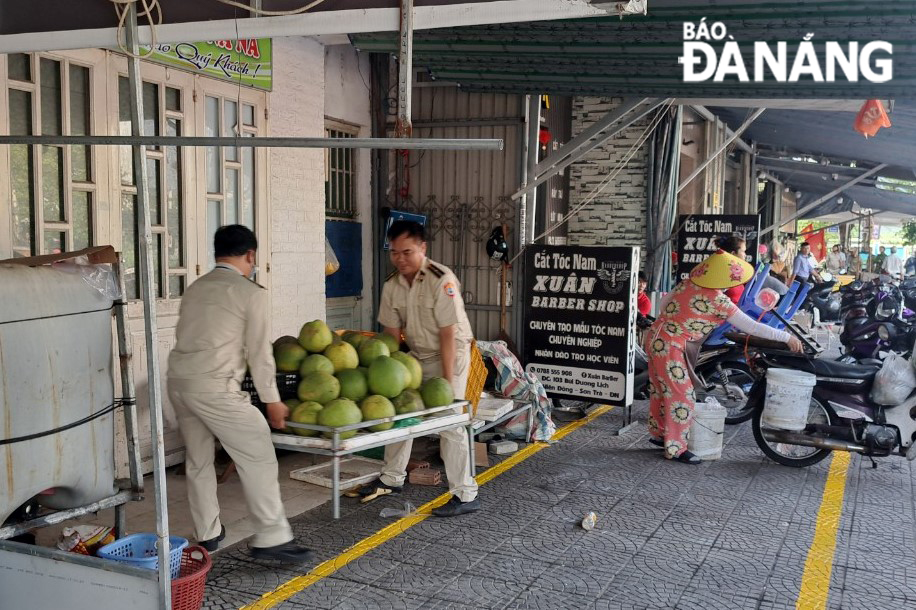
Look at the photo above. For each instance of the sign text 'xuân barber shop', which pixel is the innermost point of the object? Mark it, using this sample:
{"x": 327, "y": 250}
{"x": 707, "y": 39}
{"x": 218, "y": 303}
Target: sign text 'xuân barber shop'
{"x": 246, "y": 61}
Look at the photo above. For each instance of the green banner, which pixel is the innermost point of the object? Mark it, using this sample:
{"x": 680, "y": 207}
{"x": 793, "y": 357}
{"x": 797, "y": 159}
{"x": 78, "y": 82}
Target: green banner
{"x": 240, "y": 61}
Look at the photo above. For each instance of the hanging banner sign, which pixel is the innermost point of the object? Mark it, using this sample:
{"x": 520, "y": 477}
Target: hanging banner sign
{"x": 580, "y": 321}
{"x": 247, "y": 61}
{"x": 698, "y": 233}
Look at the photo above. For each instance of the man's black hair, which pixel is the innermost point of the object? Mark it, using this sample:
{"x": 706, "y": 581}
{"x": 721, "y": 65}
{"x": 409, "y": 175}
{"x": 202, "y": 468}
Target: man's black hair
{"x": 803, "y": 244}
{"x": 410, "y": 228}
{"x": 730, "y": 243}
{"x": 643, "y": 278}
{"x": 233, "y": 240}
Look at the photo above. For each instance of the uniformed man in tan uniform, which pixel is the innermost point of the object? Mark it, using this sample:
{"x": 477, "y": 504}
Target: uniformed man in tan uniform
{"x": 423, "y": 300}
{"x": 223, "y": 328}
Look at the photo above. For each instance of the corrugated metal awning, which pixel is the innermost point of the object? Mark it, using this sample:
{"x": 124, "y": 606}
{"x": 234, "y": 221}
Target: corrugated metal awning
{"x": 638, "y": 55}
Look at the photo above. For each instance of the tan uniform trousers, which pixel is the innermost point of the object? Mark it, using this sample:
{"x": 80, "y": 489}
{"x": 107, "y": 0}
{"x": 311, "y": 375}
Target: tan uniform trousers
{"x": 453, "y": 444}
{"x": 245, "y": 435}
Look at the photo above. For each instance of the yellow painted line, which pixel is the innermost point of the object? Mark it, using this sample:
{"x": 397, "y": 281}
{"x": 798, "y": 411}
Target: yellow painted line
{"x": 815, "y": 587}
{"x": 323, "y": 570}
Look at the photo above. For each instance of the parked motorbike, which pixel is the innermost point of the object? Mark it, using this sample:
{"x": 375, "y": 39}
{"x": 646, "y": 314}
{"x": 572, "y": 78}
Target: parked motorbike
{"x": 820, "y": 298}
{"x": 841, "y": 415}
{"x": 722, "y": 372}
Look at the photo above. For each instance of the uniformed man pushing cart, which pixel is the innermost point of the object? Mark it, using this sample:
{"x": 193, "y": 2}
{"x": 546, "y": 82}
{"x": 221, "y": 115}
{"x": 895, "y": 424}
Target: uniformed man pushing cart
{"x": 422, "y": 300}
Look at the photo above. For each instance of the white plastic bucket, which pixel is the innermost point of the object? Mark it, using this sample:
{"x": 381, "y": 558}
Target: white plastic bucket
{"x": 706, "y": 430}
{"x": 788, "y": 399}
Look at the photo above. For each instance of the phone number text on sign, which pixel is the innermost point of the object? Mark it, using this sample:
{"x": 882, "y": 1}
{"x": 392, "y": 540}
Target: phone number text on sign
{"x": 587, "y": 383}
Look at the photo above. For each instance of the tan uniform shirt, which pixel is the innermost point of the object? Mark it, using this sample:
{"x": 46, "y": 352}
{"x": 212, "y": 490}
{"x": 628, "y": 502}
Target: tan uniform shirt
{"x": 432, "y": 302}
{"x": 222, "y": 327}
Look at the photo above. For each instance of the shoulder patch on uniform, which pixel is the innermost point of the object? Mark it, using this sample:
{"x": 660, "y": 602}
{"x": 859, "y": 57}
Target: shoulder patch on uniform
{"x": 449, "y": 289}
{"x": 436, "y": 270}
{"x": 392, "y": 275}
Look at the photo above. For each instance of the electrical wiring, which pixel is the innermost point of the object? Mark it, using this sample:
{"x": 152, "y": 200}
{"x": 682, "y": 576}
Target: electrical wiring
{"x": 149, "y": 6}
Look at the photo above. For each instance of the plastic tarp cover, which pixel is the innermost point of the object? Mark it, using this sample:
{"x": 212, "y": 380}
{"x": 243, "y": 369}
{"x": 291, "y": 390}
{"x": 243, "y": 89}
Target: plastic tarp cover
{"x": 515, "y": 383}
{"x": 56, "y": 363}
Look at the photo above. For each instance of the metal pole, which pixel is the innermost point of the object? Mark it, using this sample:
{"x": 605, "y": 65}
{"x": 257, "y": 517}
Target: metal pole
{"x": 529, "y": 199}
{"x": 145, "y": 281}
{"x": 604, "y": 129}
{"x": 737, "y": 133}
{"x": 709, "y": 116}
{"x": 128, "y": 390}
{"x": 837, "y": 224}
{"x": 260, "y": 142}
{"x": 821, "y": 200}
{"x": 335, "y": 475}
{"x": 405, "y": 70}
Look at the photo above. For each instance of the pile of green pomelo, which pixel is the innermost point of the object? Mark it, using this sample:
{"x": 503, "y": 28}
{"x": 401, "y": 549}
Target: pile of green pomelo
{"x": 353, "y": 378}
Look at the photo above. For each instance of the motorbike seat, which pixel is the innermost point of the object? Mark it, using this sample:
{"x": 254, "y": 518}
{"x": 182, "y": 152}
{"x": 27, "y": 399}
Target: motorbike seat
{"x": 833, "y": 368}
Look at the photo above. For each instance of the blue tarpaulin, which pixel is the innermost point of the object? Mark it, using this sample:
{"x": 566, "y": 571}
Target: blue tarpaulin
{"x": 346, "y": 238}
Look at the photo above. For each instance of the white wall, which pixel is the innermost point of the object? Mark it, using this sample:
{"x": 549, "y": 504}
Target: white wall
{"x": 296, "y": 188}
{"x": 346, "y": 99}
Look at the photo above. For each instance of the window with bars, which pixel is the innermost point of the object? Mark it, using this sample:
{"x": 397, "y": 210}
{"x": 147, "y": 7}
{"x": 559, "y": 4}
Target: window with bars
{"x": 340, "y": 175}
{"x": 53, "y": 190}
{"x": 230, "y": 169}
{"x": 162, "y": 115}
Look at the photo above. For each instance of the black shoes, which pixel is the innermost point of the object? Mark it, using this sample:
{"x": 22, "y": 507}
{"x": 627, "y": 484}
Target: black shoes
{"x": 373, "y": 490}
{"x": 656, "y": 441}
{"x": 456, "y": 507}
{"x": 689, "y": 458}
{"x": 213, "y": 543}
{"x": 288, "y": 552}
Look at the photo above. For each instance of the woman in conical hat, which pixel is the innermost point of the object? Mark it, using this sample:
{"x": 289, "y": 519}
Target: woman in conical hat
{"x": 695, "y": 308}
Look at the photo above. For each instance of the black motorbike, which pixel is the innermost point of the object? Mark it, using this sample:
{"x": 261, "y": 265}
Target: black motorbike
{"x": 723, "y": 375}
{"x": 820, "y": 298}
{"x": 841, "y": 415}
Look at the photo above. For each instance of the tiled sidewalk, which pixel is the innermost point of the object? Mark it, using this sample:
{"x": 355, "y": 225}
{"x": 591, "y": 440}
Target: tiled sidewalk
{"x": 734, "y": 533}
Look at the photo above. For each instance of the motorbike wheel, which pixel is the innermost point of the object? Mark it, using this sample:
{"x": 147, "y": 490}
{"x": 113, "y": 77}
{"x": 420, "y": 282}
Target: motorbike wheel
{"x": 795, "y": 456}
{"x": 731, "y": 395}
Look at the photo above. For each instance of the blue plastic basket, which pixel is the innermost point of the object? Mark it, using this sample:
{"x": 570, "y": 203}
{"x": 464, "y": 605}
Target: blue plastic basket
{"x": 140, "y": 550}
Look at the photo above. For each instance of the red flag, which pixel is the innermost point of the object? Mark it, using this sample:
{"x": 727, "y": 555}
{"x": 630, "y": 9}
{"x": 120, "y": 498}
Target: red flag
{"x": 816, "y": 241}
{"x": 871, "y": 118}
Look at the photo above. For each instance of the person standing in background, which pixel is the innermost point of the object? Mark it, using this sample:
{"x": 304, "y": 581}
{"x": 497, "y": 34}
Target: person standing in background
{"x": 836, "y": 260}
{"x": 878, "y": 261}
{"x": 893, "y": 265}
{"x": 909, "y": 267}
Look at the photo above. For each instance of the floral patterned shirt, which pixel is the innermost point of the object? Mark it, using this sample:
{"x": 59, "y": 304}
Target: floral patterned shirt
{"x": 691, "y": 313}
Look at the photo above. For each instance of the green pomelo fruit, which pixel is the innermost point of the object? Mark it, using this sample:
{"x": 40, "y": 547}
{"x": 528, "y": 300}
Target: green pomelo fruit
{"x": 288, "y": 356}
{"x": 387, "y": 377}
{"x": 305, "y": 413}
{"x": 343, "y": 355}
{"x": 316, "y": 363}
{"x": 291, "y": 403}
{"x": 413, "y": 367}
{"x": 392, "y": 343}
{"x": 377, "y": 407}
{"x": 353, "y": 384}
{"x": 319, "y": 387}
{"x": 286, "y": 339}
{"x": 315, "y": 336}
{"x": 340, "y": 412}
{"x": 354, "y": 338}
{"x": 364, "y": 370}
{"x": 437, "y": 392}
{"x": 408, "y": 401}
{"x": 372, "y": 349}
